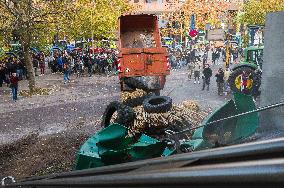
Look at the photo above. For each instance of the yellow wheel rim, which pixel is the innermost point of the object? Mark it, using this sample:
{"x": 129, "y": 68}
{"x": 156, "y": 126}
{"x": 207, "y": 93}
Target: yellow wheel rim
{"x": 238, "y": 82}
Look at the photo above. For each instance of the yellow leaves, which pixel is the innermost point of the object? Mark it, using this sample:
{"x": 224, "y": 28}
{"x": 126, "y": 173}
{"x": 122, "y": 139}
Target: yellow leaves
{"x": 205, "y": 11}
{"x": 98, "y": 17}
{"x": 256, "y": 10}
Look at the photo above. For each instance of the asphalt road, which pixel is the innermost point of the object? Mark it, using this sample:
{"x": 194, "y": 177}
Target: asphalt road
{"x": 82, "y": 102}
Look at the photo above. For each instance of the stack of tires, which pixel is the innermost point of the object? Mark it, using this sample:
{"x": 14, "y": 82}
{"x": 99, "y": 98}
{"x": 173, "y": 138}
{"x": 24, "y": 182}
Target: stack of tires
{"x": 125, "y": 113}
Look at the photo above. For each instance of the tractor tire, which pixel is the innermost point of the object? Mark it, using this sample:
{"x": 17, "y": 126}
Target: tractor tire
{"x": 137, "y": 101}
{"x": 136, "y": 83}
{"x": 125, "y": 114}
{"x": 234, "y": 81}
{"x": 157, "y": 104}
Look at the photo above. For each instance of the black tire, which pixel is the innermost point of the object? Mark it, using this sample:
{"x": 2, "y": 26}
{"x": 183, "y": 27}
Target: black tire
{"x": 125, "y": 114}
{"x": 157, "y": 92}
{"x": 233, "y": 76}
{"x": 137, "y": 101}
{"x": 157, "y": 104}
{"x": 135, "y": 83}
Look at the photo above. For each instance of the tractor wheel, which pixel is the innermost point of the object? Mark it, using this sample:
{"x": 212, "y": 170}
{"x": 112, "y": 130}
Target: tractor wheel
{"x": 157, "y": 104}
{"x": 235, "y": 80}
{"x": 125, "y": 114}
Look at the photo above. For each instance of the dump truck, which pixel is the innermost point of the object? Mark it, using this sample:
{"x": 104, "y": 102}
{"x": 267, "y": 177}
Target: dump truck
{"x": 143, "y": 62}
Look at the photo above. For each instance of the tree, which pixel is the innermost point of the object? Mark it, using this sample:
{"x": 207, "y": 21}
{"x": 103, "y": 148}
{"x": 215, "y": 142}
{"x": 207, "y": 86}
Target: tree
{"x": 98, "y": 17}
{"x": 254, "y": 11}
{"x": 31, "y": 21}
{"x": 205, "y": 11}
{"x": 36, "y": 22}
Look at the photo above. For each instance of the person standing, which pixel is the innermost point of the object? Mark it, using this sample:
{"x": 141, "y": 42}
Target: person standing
{"x": 14, "y": 85}
{"x": 197, "y": 69}
{"x": 214, "y": 56}
{"x": 41, "y": 64}
{"x": 256, "y": 83}
{"x": 2, "y": 74}
{"x": 66, "y": 71}
{"x": 35, "y": 64}
{"x": 204, "y": 58}
{"x": 220, "y": 81}
{"x": 207, "y": 73}
{"x": 190, "y": 67}
{"x": 227, "y": 73}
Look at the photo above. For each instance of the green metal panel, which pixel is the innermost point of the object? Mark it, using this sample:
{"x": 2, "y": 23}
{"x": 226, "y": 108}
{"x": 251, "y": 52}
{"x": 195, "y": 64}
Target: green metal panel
{"x": 88, "y": 155}
{"x": 228, "y": 131}
{"x": 220, "y": 133}
{"x": 111, "y": 145}
{"x": 246, "y": 125}
{"x": 146, "y": 147}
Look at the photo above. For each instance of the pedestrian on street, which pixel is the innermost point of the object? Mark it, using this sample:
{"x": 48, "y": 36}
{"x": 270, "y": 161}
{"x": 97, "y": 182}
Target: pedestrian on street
{"x": 227, "y": 73}
{"x": 204, "y": 58}
{"x": 3, "y": 73}
{"x": 220, "y": 81}
{"x": 207, "y": 73}
{"x": 42, "y": 65}
{"x": 214, "y": 56}
{"x": 66, "y": 72}
{"x": 190, "y": 67}
{"x": 59, "y": 63}
{"x": 14, "y": 85}
{"x": 35, "y": 64}
{"x": 197, "y": 69}
{"x": 255, "y": 92}
{"x": 90, "y": 66}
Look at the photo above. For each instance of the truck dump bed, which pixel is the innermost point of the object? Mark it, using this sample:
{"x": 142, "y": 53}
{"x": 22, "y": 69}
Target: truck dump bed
{"x": 141, "y": 53}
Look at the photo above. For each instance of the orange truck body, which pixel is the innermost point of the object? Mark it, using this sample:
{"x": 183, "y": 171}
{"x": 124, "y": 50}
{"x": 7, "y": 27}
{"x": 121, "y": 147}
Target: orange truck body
{"x": 135, "y": 57}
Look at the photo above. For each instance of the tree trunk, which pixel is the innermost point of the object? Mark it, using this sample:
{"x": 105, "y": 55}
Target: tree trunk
{"x": 29, "y": 64}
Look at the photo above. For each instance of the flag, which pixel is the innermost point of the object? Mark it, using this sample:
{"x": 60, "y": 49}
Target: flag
{"x": 192, "y": 30}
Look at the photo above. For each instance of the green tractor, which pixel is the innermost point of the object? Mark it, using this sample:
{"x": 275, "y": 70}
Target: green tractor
{"x": 241, "y": 79}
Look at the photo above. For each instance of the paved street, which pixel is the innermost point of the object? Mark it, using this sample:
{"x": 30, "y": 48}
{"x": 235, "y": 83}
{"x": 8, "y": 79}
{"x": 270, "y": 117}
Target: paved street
{"x": 82, "y": 102}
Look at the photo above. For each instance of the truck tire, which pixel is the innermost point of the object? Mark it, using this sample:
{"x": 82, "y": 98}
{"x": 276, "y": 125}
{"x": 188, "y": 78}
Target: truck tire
{"x": 136, "y": 82}
{"x": 125, "y": 114}
{"x": 235, "y": 82}
{"x": 157, "y": 104}
{"x": 157, "y": 92}
{"x": 137, "y": 101}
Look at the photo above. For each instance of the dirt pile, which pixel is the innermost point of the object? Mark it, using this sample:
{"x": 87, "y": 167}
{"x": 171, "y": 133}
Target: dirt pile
{"x": 138, "y": 39}
{"x": 34, "y": 155}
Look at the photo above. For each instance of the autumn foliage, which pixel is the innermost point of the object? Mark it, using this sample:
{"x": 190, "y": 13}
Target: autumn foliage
{"x": 254, "y": 11}
{"x": 205, "y": 11}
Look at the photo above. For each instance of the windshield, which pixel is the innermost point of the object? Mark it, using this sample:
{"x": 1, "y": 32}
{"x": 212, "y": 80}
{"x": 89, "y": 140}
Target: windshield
{"x": 88, "y": 85}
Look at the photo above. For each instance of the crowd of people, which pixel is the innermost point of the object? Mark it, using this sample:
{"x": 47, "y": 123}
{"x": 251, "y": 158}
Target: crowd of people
{"x": 80, "y": 63}
{"x": 86, "y": 63}
{"x": 199, "y": 65}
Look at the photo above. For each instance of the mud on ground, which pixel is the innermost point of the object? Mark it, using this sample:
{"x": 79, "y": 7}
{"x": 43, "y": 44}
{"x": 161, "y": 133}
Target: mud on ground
{"x": 34, "y": 155}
